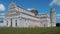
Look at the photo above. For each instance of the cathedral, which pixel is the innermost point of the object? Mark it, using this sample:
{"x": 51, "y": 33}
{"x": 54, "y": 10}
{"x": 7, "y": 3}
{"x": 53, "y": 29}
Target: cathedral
{"x": 20, "y": 17}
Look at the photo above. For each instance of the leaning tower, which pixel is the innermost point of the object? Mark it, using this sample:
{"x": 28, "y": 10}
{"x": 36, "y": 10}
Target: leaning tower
{"x": 53, "y": 17}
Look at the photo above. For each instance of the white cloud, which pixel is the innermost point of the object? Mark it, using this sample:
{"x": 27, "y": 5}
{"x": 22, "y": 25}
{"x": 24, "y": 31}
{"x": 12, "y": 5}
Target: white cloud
{"x": 55, "y": 2}
{"x": 2, "y": 14}
{"x": 2, "y": 8}
{"x": 29, "y": 9}
{"x": 58, "y": 16}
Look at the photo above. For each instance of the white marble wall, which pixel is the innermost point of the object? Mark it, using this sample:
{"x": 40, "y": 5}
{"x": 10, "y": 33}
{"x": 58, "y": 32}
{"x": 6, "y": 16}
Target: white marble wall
{"x": 1, "y": 24}
{"x": 24, "y": 20}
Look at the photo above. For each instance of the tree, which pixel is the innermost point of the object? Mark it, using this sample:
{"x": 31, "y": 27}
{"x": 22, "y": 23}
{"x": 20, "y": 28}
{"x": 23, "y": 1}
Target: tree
{"x": 57, "y": 24}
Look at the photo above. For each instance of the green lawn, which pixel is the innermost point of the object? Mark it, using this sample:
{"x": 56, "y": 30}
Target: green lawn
{"x": 54, "y": 30}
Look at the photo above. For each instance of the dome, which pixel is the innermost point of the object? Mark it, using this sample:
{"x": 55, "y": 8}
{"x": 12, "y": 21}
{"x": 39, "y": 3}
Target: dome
{"x": 34, "y": 11}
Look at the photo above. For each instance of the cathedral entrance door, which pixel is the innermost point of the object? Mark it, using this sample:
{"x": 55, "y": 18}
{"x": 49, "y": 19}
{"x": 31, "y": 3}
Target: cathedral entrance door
{"x": 11, "y": 22}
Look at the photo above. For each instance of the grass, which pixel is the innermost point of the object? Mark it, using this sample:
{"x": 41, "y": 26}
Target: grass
{"x": 54, "y": 30}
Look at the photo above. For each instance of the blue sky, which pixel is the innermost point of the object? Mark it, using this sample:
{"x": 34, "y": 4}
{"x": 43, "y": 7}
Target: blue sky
{"x": 42, "y": 6}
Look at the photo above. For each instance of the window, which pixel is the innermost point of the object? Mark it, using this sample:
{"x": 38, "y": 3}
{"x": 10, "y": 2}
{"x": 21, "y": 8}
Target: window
{"x": 25, "y": 20}
{"x": 11, "y": 22}
{"x": 15, "y": 22}
{"x": 7, "y": 23}
{"x": 44, "y": 25}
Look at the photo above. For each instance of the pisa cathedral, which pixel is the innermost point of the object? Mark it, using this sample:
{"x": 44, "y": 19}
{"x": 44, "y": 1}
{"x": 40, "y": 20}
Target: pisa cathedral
{"x": 20, "y": 17}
